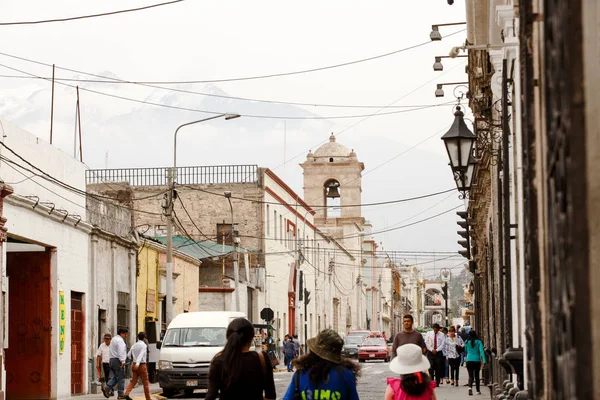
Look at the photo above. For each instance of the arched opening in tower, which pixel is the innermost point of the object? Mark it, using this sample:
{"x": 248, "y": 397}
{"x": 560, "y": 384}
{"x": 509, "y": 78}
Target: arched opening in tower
{"x": 332, "y": 199}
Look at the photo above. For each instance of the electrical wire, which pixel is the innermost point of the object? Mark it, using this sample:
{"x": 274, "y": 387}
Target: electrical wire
{"x": 274, "y": 75}
{"x": 290, "y": 117}
{"x": 318, "y": 207}
{"x": 191, "y": 219}
{"x": 70, "y": 189}
{"x": 46, "y": 21}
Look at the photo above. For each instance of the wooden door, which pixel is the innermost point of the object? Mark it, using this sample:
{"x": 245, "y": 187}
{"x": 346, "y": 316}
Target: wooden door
{"x": 77, "y": 332}
{"x": 29, "y": 355}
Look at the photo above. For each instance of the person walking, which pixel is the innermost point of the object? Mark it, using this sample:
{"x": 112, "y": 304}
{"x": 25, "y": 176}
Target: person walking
{"x": 454, "y": 349}
{"x": 289, "y": 349}
{"x": 414, "y": 383}
{"x": 446, "y": 365}
{"x": 118, "y": 355}
{"x": 103, "y": 359}
{"x": 238, "y": 373}
{"x": 324, "y": 371}
{"x": 138, "y": 355}
{"x": 475, "y": 360}
{"x": 436, "y": 343}
{"x": 297, "y": 344}
{"x": 408, "y": 335}
{"x": 462, "y": 332}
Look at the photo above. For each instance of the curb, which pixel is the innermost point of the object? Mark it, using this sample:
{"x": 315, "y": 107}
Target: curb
{"x": 153, "y": 396}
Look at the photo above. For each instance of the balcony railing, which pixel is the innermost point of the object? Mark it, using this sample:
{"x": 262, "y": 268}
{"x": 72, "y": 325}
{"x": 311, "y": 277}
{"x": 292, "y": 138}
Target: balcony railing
{"x": 199, "y": 175}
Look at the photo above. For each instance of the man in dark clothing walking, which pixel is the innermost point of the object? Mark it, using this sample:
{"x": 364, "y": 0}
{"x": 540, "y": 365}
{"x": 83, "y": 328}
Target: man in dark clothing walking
{"x": 289, "y": 348}
{"x": 408, "y": 335}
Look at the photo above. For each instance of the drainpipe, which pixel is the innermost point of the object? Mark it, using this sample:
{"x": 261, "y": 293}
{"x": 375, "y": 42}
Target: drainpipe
{"x": 506, "y": 193}
{"x": 93, "y": 310}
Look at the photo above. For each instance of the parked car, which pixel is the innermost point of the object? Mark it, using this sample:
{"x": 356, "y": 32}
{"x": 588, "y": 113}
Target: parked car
{"x": 362, "y": 333}
{"x": 374, "y": 349}
{"x": 351, "y": 345}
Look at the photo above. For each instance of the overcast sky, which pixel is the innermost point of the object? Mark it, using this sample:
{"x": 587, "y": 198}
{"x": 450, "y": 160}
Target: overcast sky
{"x": 202, "y": 40}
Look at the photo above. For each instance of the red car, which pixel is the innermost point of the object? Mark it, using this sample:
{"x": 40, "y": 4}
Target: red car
{"x": 373, "y": 349}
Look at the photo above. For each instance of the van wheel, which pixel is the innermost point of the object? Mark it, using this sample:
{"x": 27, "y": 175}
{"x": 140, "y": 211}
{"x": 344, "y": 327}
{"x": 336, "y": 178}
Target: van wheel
{"x": 361, "y": 360}
{"x": 169, "y": 392}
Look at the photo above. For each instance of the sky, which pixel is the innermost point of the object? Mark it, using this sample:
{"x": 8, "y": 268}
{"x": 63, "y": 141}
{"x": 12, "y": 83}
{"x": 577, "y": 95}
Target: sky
{"x": 200, "y": 40}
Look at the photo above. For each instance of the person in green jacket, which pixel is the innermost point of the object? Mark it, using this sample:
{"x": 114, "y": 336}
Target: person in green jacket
{"x": 475, "y": 359}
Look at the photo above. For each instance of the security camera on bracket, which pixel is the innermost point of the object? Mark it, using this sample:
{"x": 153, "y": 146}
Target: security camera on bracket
{"x": 450, "y": 2}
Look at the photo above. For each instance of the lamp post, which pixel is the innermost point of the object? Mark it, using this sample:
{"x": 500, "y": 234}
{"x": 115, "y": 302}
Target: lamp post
{"x": 438, "y": 66}
{"x": 171, "y": 180}
{"x": 234, "y": 242}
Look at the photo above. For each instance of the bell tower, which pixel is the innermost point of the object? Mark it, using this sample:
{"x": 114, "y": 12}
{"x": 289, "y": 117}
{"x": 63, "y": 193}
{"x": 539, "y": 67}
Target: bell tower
{"x": 333, "y": 185}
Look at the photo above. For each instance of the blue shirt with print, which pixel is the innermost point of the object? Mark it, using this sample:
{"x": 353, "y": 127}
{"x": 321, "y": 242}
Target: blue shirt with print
{"x": 340, "y": 385}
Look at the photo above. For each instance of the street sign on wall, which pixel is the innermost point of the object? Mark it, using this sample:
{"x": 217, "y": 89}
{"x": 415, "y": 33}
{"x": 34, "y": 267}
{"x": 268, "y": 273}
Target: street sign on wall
{"x": 62, "y": 326}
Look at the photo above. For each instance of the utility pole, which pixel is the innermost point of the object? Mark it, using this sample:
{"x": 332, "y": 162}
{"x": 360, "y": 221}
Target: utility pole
{"x": 331, "y": 267}
{"x": 236, "y": 269}
{"x": 446, "y": 298}
{"x": 380, "y": 305}
{"x": 169, "y": 277}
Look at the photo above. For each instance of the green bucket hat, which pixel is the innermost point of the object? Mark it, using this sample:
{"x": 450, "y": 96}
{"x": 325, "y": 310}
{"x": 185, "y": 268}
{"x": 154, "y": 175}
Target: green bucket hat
{"x": 327, "y": 345}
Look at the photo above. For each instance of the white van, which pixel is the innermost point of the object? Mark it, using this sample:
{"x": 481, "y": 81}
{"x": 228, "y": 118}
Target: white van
{"x": 189, "y": 345}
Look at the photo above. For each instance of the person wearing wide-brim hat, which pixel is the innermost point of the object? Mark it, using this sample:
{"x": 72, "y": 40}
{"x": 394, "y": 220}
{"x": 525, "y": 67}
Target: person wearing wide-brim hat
{"x": 324, "y": 368}
{"x": 410, "y": 364}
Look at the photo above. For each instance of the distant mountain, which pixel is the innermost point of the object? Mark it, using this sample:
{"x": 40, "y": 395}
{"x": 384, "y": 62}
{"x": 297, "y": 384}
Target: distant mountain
{"x": 140, "y": 134}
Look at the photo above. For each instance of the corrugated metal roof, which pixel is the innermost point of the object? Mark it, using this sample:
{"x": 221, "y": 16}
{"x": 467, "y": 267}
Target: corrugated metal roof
{"x": 197, "y": 249}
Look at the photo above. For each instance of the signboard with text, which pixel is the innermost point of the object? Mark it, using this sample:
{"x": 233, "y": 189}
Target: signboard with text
{"x": 62, "y": 326}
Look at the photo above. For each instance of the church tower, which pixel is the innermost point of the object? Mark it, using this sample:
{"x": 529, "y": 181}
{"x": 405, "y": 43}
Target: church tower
{"x": 333, "y": 178}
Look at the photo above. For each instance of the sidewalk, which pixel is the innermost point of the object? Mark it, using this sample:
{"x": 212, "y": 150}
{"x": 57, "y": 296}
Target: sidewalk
{"x": 137, "y": 393}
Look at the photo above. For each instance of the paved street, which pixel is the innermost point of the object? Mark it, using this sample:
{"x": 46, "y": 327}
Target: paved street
{"x": 372, "y": 384}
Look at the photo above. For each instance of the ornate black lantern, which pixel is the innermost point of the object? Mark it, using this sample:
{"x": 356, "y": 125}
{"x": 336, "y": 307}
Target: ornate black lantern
{"x": 459, "y": 141}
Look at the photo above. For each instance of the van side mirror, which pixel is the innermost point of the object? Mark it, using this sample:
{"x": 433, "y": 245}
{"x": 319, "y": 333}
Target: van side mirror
{"x": 158, "y": 345}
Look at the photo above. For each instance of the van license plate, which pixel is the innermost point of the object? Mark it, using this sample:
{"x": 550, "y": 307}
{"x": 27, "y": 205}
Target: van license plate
{"x": 372, "y": 355}
{"x": 191, "y": 383}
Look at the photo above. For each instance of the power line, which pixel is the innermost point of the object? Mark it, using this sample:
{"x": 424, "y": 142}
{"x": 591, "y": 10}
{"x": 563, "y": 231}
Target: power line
{"x": 220, "y": 112}
{"x": 191, "y": 219}
{"x": 274, "y": 75}
{"x": 318, "y": 207}
{"x": 46, "y": 21}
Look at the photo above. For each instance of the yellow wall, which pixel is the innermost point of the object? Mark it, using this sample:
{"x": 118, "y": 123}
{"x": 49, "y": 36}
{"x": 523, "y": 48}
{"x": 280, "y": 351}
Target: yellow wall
{"x": 147, "y": 279}
{"x": 186, "y": 284}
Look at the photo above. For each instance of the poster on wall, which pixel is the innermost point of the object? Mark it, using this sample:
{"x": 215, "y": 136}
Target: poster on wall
{"x": 62, "y": 309}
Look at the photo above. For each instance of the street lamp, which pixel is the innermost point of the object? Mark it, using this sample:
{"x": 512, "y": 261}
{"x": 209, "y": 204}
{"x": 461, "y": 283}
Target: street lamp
{"x": 438, "y": 66}
{"x": 440, "y": 92}
{"x": 459, "y": 141}
{"x": 435, "y": 34}
{"x": 171, "y": 179}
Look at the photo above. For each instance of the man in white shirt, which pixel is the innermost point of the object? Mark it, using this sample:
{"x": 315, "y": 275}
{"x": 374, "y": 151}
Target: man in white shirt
{"x": 138, "y": 353}
{"x": 103, "y": 359}
{"x": 118, "y": 354}
{"x": 436, "y": 343}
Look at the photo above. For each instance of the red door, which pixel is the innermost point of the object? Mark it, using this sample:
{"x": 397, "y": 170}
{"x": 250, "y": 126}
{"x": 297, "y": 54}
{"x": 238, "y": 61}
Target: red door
{"x": 76, "y": 343}
{"x": 28, "y": 357}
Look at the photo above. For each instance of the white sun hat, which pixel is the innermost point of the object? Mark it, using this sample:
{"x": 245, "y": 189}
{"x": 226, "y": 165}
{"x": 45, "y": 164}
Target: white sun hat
{"x": 409, "y": 359}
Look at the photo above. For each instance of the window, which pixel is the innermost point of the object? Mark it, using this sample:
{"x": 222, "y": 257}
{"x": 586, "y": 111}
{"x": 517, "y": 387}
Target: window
{"x": 122, "y": 310}
{"x": 224, "y": 232}
{"x": 268, "y": 221}
{"x": 275, "y": 224}
{"x": 280, "y": 229}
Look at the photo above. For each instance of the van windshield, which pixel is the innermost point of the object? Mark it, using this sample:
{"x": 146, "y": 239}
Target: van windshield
{"x": 195, "y": 337}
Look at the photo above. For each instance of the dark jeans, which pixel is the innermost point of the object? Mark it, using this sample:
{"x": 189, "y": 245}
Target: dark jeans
{"x": 438, "y": 364}
{"x": 454, "y": 368}
{"x": 117, "y": 377}
{"x": 106, "y": 370}
{"x": 288, "y": 361}
{"x": 474, "y": 368}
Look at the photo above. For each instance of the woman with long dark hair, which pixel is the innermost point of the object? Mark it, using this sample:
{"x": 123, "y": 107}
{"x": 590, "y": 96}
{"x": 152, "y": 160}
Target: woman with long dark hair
{"x": 475, "y": 359}
{"x": 238, "y": 373}
{"x": 324, "y": 369}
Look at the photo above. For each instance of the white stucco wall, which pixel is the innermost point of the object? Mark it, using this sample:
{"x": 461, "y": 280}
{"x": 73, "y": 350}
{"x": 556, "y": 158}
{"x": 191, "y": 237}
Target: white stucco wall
{"x": 69, "y": 265}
